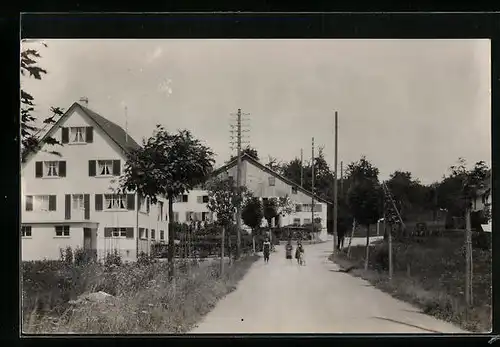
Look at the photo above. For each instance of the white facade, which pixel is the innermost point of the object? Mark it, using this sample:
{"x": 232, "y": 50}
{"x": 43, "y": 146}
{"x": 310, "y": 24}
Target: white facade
{"x": 81, "y": 208}
{"x": 192, "y": 206}
{"x": 484, "y": 200}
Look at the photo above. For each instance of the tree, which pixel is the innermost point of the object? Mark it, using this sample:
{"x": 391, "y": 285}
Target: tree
{"x": 223, "y": 200}
{"x": 30, "y": 132}
{"x": 252, "y": 215}
{"x": 167, "y": 165}
{"x": 364, "y": 196}
{"x": 274, "y": 164}
{"x": 270, "y": 207}
{"x": 252, "y": 152}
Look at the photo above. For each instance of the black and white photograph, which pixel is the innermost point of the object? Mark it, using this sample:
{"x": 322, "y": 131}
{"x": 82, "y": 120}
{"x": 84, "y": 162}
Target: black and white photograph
{"x": 245, "y": 186}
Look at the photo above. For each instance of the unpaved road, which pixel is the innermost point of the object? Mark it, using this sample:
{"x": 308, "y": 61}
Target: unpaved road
{"x": 283, "y": 297}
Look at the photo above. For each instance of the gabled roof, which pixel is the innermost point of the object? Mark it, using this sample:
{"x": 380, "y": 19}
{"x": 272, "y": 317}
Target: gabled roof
{"x": 255, "y": 162}
{"x": 112, "y": 130}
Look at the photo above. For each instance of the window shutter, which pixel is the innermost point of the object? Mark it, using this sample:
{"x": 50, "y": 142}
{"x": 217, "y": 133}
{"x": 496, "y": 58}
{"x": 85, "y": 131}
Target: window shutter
{"x": 52, "y": 202}
{"x": 39, "y": 169}
{"x": 188, "y": 215}
{"x": 107, "y": 232}
{"x": 130, "y": 202}
{"x": 162, "y": 235}
{"x": 146, "y": 233}
{"x": 200, "y": 199}
{"x": 62, "y": 168}
{"x": 89, "y": 134}
{"x": 130, "y": 233}
{"x": 92, "y": 168}
{"x": 86, "y": 206}
{"x": 29, "y": 202}
{"x": 153, "y": 234}
{"x": 116, "y": 168}
{"x": 64, "y": 135}
{"x": 98, "y": 202}
{"x": 67, "y": 206}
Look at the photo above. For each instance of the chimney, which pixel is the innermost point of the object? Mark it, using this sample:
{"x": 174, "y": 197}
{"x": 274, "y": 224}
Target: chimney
{"x": 85, "y": 101}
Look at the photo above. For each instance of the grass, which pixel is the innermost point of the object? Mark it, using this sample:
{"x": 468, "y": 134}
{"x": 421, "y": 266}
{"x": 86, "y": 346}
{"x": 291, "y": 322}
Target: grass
{"x": 144, "y": 300}
{"x": 431, "y": 276}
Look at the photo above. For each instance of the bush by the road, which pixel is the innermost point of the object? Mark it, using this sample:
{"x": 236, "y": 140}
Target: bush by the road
{"x": 431, "y": 275}
{"x": 140, "y": 290}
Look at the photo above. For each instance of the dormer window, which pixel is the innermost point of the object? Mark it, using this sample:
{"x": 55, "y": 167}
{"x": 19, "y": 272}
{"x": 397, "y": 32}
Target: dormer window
{"x": 77, "y": 135}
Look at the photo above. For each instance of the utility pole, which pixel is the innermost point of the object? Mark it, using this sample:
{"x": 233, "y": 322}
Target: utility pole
{"x": 312, "y": 189}
{"x": 341, "y": 179}
{"x": 335, "y": 197}
{"x": 468, "y": 257}
{"x": 238, "y": 143}
{"x": 301, "y": 170}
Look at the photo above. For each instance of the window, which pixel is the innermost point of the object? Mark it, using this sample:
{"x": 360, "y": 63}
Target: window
{"x": 184, "y": 198}
{"x": 153, "y": 234}
{"x": 307, "y": 221}
{"x": 162, "y": 235}
{"x": 62, "y": 230}
{"x": 119, "y": 232}
{"x": 144, "y": 205}
{"x": 296, "y": 221}
{"x": 77, "y": 135}
{"x": 77, "y": 203}
{"x": 205, "y": 199}
{"x": 26, "y": 231}
{"x": 142, "y": 233}
{"x": 51, "y": 168}
{"x": 41, "y": 203}
{"x": 272, "y": 181}
{"x": 115, "y": 202}
{"x": 160, "y": 210}
{"x": 176, "y": 217}
{"x": 104, "y": 167}
{"x": 294, "y": 190}
{"x": 298, "y": 208}
{"x": 189, "y": 216}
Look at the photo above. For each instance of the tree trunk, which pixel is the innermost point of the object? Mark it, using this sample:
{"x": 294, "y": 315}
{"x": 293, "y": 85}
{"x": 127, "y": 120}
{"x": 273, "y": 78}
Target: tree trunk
{"x": 468, "y": 258}
{"x": 171, "y": 245}
{"x": 253, "y": 241}
{"x": 350, "y": 239}
{"x": 367, "y": 250}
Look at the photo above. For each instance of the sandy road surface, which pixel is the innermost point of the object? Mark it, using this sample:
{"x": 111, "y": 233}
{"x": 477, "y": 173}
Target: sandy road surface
{"x": 282, "y": 297}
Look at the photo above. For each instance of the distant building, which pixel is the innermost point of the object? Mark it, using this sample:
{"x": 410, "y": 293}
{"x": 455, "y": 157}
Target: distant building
{"x": 69, "y": 200}
{"x": 263, "y": 183}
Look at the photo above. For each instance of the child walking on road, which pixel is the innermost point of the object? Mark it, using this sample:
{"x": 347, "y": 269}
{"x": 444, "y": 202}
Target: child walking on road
{"x": 289, "y": 250}
{"x": 267, "y": 249}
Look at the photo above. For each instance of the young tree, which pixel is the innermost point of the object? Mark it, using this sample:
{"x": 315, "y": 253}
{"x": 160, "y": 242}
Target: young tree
{"x": 30, "y": 132}
{"x": 270, "y": 207}
{"x": 223, "y": 200}
{"x": 167, "y": 165}
{"x": 252, "y": 215}
{"x": 364, "y": 197}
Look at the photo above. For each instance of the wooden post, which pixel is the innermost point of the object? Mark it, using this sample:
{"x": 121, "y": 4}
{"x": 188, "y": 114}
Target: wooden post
{"x": 335, "y": 192}
{"x": 350, "y": 239}
{"x": 389, "y": 237}
{"x": 222, "y": 250}
{"x": 468, "y": 257}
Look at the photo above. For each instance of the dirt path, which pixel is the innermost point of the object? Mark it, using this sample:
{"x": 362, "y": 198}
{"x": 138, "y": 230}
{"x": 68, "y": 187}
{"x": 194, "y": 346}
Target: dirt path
{"x": 282, "y": 297}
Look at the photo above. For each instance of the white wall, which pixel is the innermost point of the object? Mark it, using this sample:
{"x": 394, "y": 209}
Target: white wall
{"x": 44, "y": 244}
{"x": 77, "y": 181}
{"x": 191, "y": 205}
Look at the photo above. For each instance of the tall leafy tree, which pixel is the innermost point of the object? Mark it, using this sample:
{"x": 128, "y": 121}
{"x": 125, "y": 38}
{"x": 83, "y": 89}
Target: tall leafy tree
{"x": 252, "y": 214}
{"x": 364, "y": 197}
{"x": 31, "y": 133}
{"x": 167, "y": 164}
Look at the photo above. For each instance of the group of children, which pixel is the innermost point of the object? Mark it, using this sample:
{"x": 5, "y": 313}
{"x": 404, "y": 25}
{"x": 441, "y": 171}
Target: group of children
{"x": 299, "y": 251}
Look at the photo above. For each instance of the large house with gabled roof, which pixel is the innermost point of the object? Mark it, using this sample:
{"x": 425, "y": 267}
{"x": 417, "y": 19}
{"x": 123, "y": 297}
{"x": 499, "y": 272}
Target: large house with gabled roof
{"x": 263, "y": 183}
{"x": 70, "y": 200}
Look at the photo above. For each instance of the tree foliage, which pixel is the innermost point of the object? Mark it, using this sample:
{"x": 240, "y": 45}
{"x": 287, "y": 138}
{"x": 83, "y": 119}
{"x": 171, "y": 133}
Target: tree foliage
{"x": 30, "y": 132}
{"x": 167, "y": 164}
{"x": 364, "y": 197}
{"x": 252, "y": 152}
{"x": 252, "y": 213}
{"x": 224, "y": 199}
{"x": 270, "y": 207}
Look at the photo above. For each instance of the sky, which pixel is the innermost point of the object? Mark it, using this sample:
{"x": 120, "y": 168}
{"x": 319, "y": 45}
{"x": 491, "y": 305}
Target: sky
{"x": 413, "y": 105}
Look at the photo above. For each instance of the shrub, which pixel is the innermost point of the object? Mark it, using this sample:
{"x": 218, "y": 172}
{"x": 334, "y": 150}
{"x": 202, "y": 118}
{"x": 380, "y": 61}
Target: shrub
{"x": 113, "y": 259}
